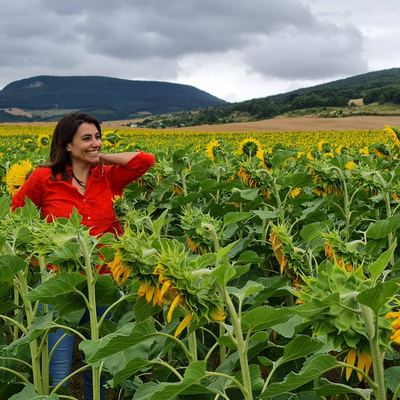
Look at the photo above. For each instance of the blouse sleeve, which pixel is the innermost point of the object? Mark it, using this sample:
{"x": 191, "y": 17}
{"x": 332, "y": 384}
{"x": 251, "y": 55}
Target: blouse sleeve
{"x": 135, "y": 168}
{"x": 32, "y": 189}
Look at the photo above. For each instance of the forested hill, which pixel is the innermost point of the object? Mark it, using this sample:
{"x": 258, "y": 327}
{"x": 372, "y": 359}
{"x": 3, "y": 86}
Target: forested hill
{"x": 378, "y": 93}
{"x": 379, "y": 86}
{"x": 107, "y": 98}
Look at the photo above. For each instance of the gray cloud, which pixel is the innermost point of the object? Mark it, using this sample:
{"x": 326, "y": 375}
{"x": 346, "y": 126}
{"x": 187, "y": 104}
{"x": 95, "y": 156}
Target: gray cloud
{"x": 334, "y": 52}
{"x": 281, "y": 39}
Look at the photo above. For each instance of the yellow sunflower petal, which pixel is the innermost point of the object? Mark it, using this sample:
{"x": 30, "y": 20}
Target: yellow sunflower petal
{"x": 172, "y": 308}
{"x": 165, "y": 287}
{"x": 351, "y": 359}
{"x": 362, "y": 360}
{"x": 391, "y": 315}
{"x": 116, "y": 274}
{"x": 368, "y": 364}
{"x": 156, "y": 297}
{"x": 149, "y": 293}
{"x": 184, "y": 323}
{"x": 142, "y": 290}
{"x": 126, "y": 275}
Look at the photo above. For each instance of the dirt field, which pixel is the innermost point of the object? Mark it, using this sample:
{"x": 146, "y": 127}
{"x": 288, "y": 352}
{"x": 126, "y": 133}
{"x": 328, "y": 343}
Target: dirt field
{"x": 271, "y": 125}
{"x": 289, "y": 124}
{"x": 16, "y": 111}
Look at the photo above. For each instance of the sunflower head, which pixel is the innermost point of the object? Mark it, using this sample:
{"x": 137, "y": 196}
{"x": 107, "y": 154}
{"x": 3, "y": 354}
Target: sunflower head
{"x": 265, "y": 157}
{"x": 326, "y": 179}
{"x": 212, "y": 148}
{"x": 43, "y": 141}
{"x": 198, "y": 236}
{"x": 364, "y": 151}
{"x": 394, "y": 133}
{"x": 324, "y": 147}
{"x": 382, "y": 151}
{"x": 118, "y": 269}
{"x": 364, "y": 176}
{"x": 294, "y": 192}
{"x": 120, "y": 206}
{"x": 290, "y": 261}
{"x": 341, "y": 150}
{"x": 112, "y": 137}
{"x": 342, "y": 326}
{"x": 250, "y": 147}
{"x": 17, "y": 175}
{"x": 350, "y": 165}
{"x": 337, "y": 251}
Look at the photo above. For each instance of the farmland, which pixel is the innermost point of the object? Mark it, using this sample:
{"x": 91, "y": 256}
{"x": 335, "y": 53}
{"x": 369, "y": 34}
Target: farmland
{"x": 253, "y": 264}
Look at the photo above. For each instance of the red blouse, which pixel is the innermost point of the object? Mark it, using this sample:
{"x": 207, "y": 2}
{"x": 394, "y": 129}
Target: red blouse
{"x": 57, "y": 198}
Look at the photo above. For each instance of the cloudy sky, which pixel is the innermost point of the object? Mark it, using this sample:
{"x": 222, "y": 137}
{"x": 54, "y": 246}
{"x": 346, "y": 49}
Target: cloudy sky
{"x": 234, "y": 49}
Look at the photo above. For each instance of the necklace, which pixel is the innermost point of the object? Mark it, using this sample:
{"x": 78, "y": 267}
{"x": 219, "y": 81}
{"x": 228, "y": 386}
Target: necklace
{"x": 80, "y": 183}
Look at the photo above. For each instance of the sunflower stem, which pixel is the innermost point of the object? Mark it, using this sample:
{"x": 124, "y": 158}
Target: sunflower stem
{"x": 346, "y": 202}
{"x": 44, "y": 345}
{"x": 214, "y": 236}
{"x": 20, "y": 279}
{"x": 377, "y": 362}
{"x": 388, "y": 214}
{"x": 396, "y": 392}
{"x": 211, "y": 228}
{"x": 94, "y": 330}
{"x": 192, "y": 346}
{"x": 183, "y": 182}
{"x": 240, "y": 343}
{"x": 218, "y": 178}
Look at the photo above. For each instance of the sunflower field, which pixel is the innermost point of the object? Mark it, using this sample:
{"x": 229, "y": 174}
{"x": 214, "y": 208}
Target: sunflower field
{"x": 252, "y": 266}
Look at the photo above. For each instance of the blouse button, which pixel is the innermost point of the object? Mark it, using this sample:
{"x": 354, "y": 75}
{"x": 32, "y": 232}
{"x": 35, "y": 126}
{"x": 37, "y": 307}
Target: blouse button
{"x": 84, "y": 199}
{"x": 88, "y": 217}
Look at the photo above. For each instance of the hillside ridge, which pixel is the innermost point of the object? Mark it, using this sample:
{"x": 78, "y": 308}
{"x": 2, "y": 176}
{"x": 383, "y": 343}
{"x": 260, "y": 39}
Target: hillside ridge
{"x": 104, "y": 97}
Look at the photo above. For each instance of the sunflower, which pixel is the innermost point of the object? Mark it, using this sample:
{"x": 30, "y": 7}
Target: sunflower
{"x": 394, "y": 133}
{"x": 341, "y": 149}
{"x": 250, "y": 147}
{"x": 199, "y": 238}
{"x": 295, "y": 192}
{"x": 17, "y": 175}
{"x": 320, "y": 145}
{"x": 382, "y": 151}
{"x": 395, "y": 325}
{"x": 336, "y": 250}
{"x": 117, "y": 269}
{"x": 326, "y": 181}
{"x": 350, "y": 165}
{"x": 247, "y": 179}
{"x": 172, "y": 283}
{"x": 364, "y": 151}
{"x": 277, "y": 248}
{"x": 43, "y": 141}
{"x": 319, "y": 191}
{"x": 396, "y": 191}
{"x": 210, "y": 149}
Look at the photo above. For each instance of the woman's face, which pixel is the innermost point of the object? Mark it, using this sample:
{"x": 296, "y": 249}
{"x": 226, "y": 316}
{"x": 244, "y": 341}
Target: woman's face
{"x": 86, "y": 144}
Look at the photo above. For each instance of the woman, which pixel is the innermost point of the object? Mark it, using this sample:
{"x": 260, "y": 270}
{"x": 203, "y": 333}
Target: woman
{"x": 78, "y": 175}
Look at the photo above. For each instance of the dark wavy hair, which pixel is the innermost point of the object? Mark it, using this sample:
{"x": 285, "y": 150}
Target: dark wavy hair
{"x": 63, "y": 134}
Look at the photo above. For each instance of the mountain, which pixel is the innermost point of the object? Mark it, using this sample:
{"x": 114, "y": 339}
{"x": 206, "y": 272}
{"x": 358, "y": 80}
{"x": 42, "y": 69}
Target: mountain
{"x": 105, "y": 98}
{"x": 378, "y": 86}
{"x": 373, "y": 93}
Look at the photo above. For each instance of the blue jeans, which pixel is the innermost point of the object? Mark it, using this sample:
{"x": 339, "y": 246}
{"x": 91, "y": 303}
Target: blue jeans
{"x": 61, "y": 361}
